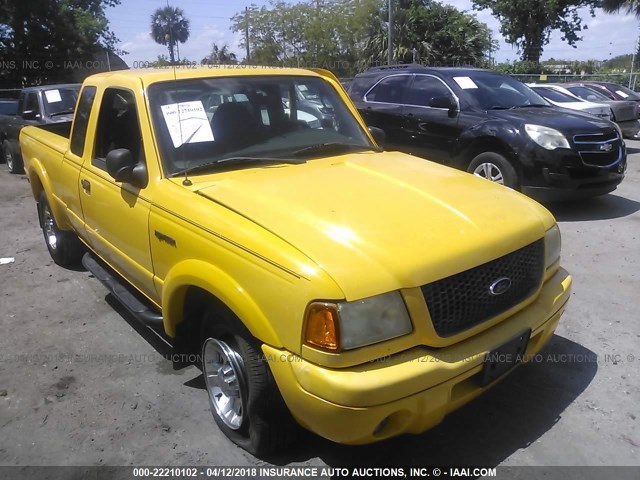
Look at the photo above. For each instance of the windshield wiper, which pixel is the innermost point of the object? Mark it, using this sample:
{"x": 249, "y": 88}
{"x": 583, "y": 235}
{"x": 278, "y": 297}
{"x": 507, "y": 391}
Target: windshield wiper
{"x": 62, "y": 112}
{"x": 233, "y": 160}
{"x": 532, "y": 105}
{"x": 333, "y": 147}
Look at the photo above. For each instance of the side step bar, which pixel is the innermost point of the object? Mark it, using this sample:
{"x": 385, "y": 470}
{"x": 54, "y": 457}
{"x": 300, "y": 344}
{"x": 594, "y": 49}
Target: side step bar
{"x": 123, "y": 292}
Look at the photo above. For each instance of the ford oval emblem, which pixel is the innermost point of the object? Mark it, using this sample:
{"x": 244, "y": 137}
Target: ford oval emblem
{"x": 500, "y": 286}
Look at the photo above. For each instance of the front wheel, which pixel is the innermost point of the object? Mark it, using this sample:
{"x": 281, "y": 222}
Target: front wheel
{"x": 496, "y": 168}
{"x": 64, "y": 247}
{"x": 11, "y": 158}
{"x": 244, "y": 400}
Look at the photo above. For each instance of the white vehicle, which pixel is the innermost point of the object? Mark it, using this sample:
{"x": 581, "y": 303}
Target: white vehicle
{"x": 562, "y": 97}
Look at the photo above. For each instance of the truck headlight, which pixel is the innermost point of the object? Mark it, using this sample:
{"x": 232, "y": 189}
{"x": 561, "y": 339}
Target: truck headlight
{"x": 348, "y": 325}
{"x": 552, "y": 246}
{"x": 546, "y": 137}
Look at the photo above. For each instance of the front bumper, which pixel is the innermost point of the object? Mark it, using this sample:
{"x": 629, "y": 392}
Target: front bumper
{"x": 408, "y": 392}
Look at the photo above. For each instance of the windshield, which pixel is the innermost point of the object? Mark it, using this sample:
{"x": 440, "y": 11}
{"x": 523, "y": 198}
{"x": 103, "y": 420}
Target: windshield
{"x": 622, "y": 91}
{"x": 202, "y": 121}
{"x": 488, "y": 91}
{"x": 60, "y": 100}
{"x": 589, "y": 94}
{"x": 555, "y": 95}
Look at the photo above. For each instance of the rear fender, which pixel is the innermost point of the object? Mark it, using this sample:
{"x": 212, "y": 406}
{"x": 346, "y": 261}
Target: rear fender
{"x": 40, "y": 180}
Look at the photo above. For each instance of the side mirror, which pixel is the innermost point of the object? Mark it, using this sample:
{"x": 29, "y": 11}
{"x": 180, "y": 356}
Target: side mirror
{"x": 29, "y": 115}
{"x": 122, "y": 167}
{"x": 446, "y": 101}
{"x": 378, "y": 135}
{"x": 120, "y": 164}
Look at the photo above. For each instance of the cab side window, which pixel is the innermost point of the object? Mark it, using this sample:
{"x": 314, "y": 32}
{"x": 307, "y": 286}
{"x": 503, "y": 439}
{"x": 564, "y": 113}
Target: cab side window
{"x": 31, "y": 106}
{"x": 424, "y": 88}
{"x": 389, "y": 90}
{"x": 78, "y": 136}
{"x": 118, "y": 126}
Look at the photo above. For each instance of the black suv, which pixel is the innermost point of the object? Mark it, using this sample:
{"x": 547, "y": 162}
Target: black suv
{"x": 493, "y": 126}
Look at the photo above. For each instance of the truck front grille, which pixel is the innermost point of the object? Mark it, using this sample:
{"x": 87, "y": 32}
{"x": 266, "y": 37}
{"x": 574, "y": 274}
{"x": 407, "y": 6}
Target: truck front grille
{"x": 465, "y": 299}
{"x": 602, "y": 150}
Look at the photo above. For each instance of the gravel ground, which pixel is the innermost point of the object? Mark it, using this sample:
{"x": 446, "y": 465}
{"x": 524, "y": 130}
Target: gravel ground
{"x": 82, "y": 384}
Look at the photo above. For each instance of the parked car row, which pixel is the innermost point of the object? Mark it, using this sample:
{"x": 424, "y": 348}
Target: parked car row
{"x": 35, "y": 106}
{"x": 623, "y": 112}
{"x": 495, "y": 127}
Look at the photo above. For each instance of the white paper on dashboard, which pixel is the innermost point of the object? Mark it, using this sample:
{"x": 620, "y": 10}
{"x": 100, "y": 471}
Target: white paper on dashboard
{"x": 465, "y": 82}
{"x": 622, "y": 94}
{"x": 53, "y": 96}
{"x": 187, "y": 123}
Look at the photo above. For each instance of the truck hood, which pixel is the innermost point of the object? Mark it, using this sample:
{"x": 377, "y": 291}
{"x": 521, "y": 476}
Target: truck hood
{"x": 377, "y": 222}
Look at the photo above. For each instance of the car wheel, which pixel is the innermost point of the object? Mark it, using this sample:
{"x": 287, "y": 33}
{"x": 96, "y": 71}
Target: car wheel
{"x": 11, "y": 158}
{"x": 64, "y": 247}
{"x": 493, "y": 166}
{"x": 244, "y": 399}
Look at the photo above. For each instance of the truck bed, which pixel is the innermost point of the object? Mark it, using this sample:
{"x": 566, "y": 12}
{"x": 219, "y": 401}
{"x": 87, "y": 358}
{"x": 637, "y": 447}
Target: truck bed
{"x": 54, "y": 136}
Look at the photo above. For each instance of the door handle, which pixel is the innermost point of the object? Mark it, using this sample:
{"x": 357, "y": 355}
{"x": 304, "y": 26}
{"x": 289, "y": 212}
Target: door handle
{"x": 86, "y": 185}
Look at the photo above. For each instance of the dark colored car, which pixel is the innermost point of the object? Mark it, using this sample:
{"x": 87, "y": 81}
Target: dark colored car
{"x": 493, "y": 126}
{"x": 625, "y": 112}
{"x": 36, "y": 106}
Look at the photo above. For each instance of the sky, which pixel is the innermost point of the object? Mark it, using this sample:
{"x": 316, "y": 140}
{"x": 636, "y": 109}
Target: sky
{"x": 606, "y": 37}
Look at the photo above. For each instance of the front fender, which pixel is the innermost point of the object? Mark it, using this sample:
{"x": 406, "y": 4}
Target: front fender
{"x": 196, "y": 273}
{"x": 494, "y": 131}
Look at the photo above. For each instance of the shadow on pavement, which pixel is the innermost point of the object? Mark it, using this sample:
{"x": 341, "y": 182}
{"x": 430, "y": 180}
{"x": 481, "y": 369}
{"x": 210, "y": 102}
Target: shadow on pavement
{"x": 510, "y": 416}
{"x": 598, "y": 208}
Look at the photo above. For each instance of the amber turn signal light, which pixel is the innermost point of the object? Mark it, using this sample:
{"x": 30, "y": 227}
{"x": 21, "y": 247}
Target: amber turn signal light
{"x": 322, "y": 326}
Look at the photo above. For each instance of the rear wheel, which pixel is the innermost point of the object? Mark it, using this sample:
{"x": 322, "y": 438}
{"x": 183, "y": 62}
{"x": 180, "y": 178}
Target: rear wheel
{"x": 64, "y": 247}
{"x": 493, "y": 166}
{"x": 244, "y": 399}
{"x": 11, "y": 158}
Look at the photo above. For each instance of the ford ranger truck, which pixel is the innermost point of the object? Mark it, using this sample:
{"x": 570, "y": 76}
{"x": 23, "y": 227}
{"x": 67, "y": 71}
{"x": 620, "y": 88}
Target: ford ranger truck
{"x": 319, "y": 280}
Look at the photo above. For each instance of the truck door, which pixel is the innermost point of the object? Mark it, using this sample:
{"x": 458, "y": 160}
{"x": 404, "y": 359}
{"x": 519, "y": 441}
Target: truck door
{"x": 69, "y": 174}
{"x": 116, "y": 215}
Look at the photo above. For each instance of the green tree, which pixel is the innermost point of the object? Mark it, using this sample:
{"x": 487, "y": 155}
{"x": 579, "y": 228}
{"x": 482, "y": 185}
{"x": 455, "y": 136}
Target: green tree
{"x": 528, "y": 23}
{"x": 37, "y": 38}
{"x": 430, "y": 33}
{"x": 313, "y": 33}
{"x": 169, "y": 27}
{"x": 220, "y": 56}
{"x": 614, "y": 6}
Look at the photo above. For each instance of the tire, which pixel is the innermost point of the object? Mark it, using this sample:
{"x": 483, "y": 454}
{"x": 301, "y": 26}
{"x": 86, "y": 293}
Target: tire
{"x": 11, "y": 158}
{"x": 64, "y": 246}
{"x": 244, "y": 399}
{"x": 495, "y": 167}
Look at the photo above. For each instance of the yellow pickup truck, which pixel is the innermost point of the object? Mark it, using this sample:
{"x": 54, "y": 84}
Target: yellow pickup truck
{"x": 316, "y": 279}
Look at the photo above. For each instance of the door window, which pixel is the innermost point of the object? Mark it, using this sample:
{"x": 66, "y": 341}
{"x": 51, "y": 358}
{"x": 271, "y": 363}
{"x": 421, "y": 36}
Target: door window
{"x": 389, "y": 90}
{"x": 118, "y": 126}
{"x": 31, "y": 105}
{"x": 425, "y": 88}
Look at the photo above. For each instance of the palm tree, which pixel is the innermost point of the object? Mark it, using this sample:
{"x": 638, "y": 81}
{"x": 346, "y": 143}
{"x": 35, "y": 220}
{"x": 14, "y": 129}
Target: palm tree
{"x": 613, "y": 6}
{"x": 168, "y": 27}
{"x": 220, "y": 56}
